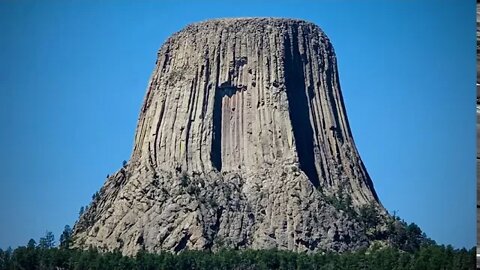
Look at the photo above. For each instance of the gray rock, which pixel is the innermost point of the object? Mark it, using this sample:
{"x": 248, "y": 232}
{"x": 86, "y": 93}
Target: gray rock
{"x": 241, "y": 141}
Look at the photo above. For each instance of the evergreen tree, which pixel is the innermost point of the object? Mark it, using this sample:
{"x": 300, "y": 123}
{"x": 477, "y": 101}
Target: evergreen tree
{"x": 65, "y": 237}
{"x": 95, "y": 196}
{"x": 31, "y": 244}
{"x": 2, "y": 260}
{"x": 47, "y": 242}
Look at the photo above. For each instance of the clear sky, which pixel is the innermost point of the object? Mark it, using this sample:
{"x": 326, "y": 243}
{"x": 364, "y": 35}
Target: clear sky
{"x": 73, "y": 75}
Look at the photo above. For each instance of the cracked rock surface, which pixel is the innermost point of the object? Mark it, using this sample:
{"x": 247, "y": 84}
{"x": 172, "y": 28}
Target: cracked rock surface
{"x": 241, "y": 140}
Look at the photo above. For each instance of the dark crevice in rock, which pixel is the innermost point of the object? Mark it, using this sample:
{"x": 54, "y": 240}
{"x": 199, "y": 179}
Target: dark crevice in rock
{"x": 347, "y": 239}
{"x": 336, "y": 237}
{"x": 183, "y": 243}
{"x": 140, "y": 241}
{"x": 298, "y": 109}
{"x": 228, "y": 90}
{"x": 216, "y": 153}
{"x": 215, "y": 227}
{"x": 314, "y": 244}
{"x": 303, "y": 243}
{"x": 242, "y": 243}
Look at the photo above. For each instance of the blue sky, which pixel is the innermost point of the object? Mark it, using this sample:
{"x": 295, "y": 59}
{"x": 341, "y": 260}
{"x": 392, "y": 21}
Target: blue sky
{"x": 73, "y": 76}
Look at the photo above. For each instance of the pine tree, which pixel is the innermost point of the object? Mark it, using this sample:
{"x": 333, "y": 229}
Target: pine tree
{"x": 31, "y": 244}
{"x": 47, "y": 242}
{"x": 65, "y": 237}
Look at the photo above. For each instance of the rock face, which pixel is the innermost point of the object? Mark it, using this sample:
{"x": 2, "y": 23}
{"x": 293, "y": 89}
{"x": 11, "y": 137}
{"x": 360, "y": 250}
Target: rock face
{"x": 242, "y": 142}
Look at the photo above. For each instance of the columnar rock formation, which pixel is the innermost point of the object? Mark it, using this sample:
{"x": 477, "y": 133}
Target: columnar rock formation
{"x": 243, "y": 142}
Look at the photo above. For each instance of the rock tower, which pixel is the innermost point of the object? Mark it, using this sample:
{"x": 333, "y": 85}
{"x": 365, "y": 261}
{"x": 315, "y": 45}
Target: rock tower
{"x": 242, "y": 142}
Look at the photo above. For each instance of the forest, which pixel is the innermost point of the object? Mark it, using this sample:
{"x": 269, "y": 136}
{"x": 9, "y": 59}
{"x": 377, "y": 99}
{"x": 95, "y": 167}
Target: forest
{"x": 46, "y": 255}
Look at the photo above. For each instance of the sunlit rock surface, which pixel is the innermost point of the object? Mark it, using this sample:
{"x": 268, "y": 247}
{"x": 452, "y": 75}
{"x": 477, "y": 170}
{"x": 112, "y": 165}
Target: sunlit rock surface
{"x": 241, "y": 142}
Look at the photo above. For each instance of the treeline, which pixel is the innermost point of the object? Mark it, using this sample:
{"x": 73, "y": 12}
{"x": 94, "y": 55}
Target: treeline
{"x": 426, "y": 257}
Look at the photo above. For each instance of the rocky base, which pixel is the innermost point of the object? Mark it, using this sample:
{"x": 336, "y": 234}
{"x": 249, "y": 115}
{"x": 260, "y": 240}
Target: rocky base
{"x": 175, "y": 211}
